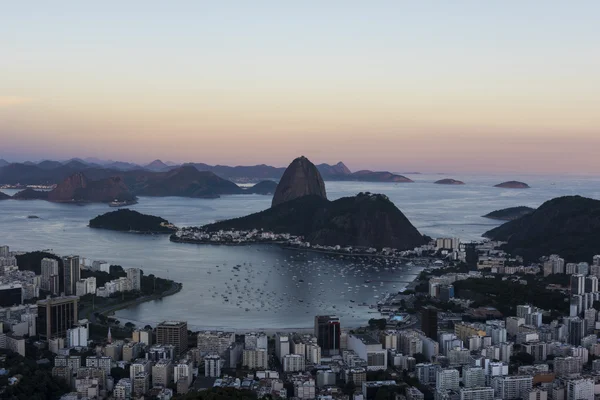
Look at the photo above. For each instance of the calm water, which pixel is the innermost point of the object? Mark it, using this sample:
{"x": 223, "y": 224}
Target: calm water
{"x": 268, "y": 279}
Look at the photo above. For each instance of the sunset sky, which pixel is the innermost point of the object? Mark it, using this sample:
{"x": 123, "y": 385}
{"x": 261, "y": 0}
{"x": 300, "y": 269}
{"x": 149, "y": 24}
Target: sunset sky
{"x": 438, "y": 86}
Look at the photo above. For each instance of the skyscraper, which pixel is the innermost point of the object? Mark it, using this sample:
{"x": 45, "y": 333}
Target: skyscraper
{"x": 577, "y": 330}
{"x": 328, "y": 333}
{"x": 72, "y": 274}
{"x": 49, "y": 272}
{"x": 429, "y": 322}
{"x": 577, "y": 284}
{"x": 173, "y": 333}
{"x": 135, "y": 277}
{"x": 56, "y": 316}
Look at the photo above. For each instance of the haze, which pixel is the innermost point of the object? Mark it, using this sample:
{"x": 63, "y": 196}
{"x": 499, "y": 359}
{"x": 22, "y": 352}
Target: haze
{"x": 432, "y": 86}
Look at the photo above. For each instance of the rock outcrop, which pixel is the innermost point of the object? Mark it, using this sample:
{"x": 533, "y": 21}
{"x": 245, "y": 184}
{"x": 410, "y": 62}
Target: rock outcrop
{"x": 509, "y": 214}
{"x": 263, "y": 187}
{"x": 301, "y": 178}
{"x": 512, "y": 185}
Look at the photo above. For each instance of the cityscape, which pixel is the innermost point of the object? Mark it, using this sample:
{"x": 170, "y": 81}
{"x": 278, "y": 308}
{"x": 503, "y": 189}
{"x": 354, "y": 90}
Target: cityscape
{"x": 305, "y": 200}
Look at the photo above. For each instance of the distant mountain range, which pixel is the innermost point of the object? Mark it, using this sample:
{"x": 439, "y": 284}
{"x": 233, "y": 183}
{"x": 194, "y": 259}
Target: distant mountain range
{"x": 53, "y": 172}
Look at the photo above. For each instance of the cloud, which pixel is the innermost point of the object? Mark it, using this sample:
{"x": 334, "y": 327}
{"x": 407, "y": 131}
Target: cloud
{"x": 8, "y": 101}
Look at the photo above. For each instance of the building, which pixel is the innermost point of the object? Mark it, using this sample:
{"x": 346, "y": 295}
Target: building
{"x": 142, "y": 336}
{"x": 326, "y": 378}
{"x": 11, "y": 294}
{"x": 512, "y": 387}
{"x": 564, "y": 366}
{"x": 427, "y": 373}
{"x": 214, "y": 342}
{"x": 370, "y": 388}
{"x": 477, "y": 393}
{"x": 282, "y": 346}
{"x": 537, "y": 394}
{"x": 101, "y": 362}
{"x": 369, "y": 350}
{"x": 253, "y": 341}
{"x": 447, "y": 379}
{"x": 328, "y": 332}
{"x": 473, "y": 377}
{"x": 135, "y": 277}
{"x": 49, "y": 276}
{"x": 139, "y": 365}
{"x": 577, "y": 284}
{"x": 173, "y": 333}
{"x": 591, "y": 284}
{"x": 577, "y": 330}
{"x": 141, "y": 383}
{"x": 78, "y": 336}
{"x": 162, "y": 373}
{"x": 212, "y": 366}
{"x": 13, "y": 343}
{"x": 429, "y": 322}
{"x": 255, "y": 359}
{"x": 412, "y": 393}
{"x": 580, "y": 389}
{"x": 123, "y": 389}
{"x": 71, "y": 274}
{"x": 293, "y": 363}
{"x": 183, "y": 371}
{"x": 356, "y": 376}
{"x": 56, "y": 316}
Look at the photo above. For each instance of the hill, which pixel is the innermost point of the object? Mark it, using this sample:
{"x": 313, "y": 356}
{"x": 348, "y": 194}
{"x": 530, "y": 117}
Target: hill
{"x": 263, "y": 187}
{"x": 569, "y": 226}
{"x": 449, "y": 181}
{"x": 4, "y": 196}
{"x": 78, "y": 188}
{"x": 512, "y": 185}
{"x": 365, "y": 220}
{"x": 336, "y": 170}
{"x": 185, "y": 181}
{"x": 509, "y": 214}
{"x": 130, "y": 220}
{"x": 31, "y": 194}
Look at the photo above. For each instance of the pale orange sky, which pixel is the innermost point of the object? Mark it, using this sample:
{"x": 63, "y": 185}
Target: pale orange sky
{"x": 462, "y": 87}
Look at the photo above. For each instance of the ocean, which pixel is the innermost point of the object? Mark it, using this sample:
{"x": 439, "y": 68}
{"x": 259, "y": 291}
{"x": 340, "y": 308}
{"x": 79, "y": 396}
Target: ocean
{"x": 254, "y": 287}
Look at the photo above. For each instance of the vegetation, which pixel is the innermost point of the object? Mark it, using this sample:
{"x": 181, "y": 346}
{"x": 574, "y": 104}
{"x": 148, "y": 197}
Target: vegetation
{"x": 130, "y": 220}
{"x": 35, "y": 382}
{"x": 505, "y": 295}
{"x": 508, "y": 214}
{"x": 569, "y": 226}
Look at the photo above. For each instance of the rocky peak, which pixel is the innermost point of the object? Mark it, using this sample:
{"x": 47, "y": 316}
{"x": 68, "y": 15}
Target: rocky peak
{"x": 301, "y": 178}
{"x": 67, "y": 189}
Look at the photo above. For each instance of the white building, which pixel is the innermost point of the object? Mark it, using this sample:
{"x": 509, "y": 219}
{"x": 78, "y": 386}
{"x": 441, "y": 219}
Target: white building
{"x": 212, "y": 366}
{"x": 78, "y": 336}
{"x": 255, "y": 359}
{"x": 447, "y": 379}
{"x": 473, "y": 377}
{"x": 214, "y": 342}
{"x": 184, "y": 370}
{"x": 293, "y": 363}
{"x": 370, "y": 350}
{"x": 512, "y": 387}
{"x": 104, "y": 363}
{"x": 477, "y": 393}
{"x": 253, "y": 341}
{"x": 282, "y": 346}
{"x": 580, "y": 389}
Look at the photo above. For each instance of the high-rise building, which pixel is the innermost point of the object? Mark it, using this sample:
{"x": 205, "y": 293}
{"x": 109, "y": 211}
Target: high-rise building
{"x": 173, "y": 333}
{"x": 49, "y": 278}
{"x": 447, "y": 379}
{"x": 282, "y": 345}
{"x": 429, "y": 322}
{"x": 591, "y": 284}
{"x": 56, "y": 316}
{"x": 71, "y": 274}
{"x": 512, "y": 387}
{"x": 577, "y": 284}
{"x": 328, "y": 333}
{"x": 4, "y": 252}
{"x": 577, "y": 330}
{"x": 135, "y": 277}
{"x": 473, "y": 377}
{"x": 255, "y": 359}
{"x": 212, "y": 366}
{"x": 580, "y": 389}
{"x": 11, "y": 294}
{"x": 162, "y": 373}
{"x": 293, "y": 363}
{"x": 477, "y": 393}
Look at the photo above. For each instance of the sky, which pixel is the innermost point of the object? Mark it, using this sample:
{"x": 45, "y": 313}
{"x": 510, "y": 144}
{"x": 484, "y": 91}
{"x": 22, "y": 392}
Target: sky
{"x": 431, "y": 86}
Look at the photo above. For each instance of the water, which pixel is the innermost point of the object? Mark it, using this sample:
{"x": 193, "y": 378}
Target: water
{"x": 267, "y": 287}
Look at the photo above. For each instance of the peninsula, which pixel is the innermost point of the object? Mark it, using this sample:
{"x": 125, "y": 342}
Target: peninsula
{"x": 509, "y": 214}
{"x": 132, "y": 221}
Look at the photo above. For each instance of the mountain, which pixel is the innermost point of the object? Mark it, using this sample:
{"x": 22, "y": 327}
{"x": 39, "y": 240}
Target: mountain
{"x": 157, "y": 165}
{"x": 508, "y": 214}
{"x": 512, "y": 185}
{"x": 31, "y": 194}
{"x": 3, "y": 163}
{"x": 336, "y": 170}
{"x": 301, "y": 178}
{"x": 130, "y": 220}
{"x": 449, "y": 181}
{"x": 365, "y": 220}
{"x": 263, "y": 187}
{"x": 569, "y": 226}
{"x": 242, "y": 173}
{"x": 48, "y": 164}
{"x": 122, "y": 166}
{"x": 185, "y": 181}
{"x": 4, "y": 196}
{"x": 78, "y": 188}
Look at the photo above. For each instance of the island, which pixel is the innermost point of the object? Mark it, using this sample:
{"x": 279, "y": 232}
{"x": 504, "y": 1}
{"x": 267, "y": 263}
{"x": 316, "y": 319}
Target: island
{"x": 4, "y": 196}
{"x": 301, "y": 213}
{"x": 31, "y": 194}
{"x": 509, "y": 214}
{"x": 263, "y": 187}
{"x": 569, "y": 226}
{"x": 127, "y": 220}
{"x": 449, "y": 181}
{"x": 512, "y": 185}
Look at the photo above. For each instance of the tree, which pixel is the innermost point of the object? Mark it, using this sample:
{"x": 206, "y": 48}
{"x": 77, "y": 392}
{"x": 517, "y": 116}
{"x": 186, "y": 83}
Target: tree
{"x": 420, "y": 358}
{"x": 522, "y": 358}
{"x": 129, "y": 325}
{"x": 118, "y": 373}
